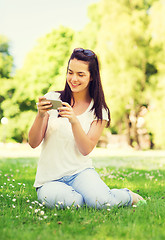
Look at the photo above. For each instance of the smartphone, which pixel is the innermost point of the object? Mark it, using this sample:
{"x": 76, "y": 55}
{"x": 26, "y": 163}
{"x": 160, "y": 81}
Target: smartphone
{"x": 56, "y": 103}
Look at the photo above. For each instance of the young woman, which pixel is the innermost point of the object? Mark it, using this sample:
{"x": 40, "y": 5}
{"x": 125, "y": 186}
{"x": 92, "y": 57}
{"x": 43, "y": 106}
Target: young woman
{"x": 65, "y": 172}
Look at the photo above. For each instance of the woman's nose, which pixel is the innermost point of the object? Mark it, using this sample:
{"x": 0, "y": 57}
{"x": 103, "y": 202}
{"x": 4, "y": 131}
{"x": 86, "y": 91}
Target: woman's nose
{"x": 74, "y": 78}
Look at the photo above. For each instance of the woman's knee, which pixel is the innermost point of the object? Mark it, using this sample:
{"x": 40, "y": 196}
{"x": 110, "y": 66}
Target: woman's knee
{"x": 57, "y": 193}
{"x": 44, "y": 195}
{"x": 94, "y": 191}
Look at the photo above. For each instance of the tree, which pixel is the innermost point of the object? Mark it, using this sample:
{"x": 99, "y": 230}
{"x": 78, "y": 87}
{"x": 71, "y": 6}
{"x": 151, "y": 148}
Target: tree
{"x": 156, "y": 114}
{"x": 6, "y": 65}
{"x": 126, "y": 53}
{"x": 6, "y": 60}
{"x": 44, "y": 70}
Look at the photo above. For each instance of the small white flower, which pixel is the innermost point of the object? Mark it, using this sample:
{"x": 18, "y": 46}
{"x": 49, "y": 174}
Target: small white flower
{"x": 13, "y": 205}
{"x": 14, "y": 200}
{"x": 68, "y": 207}
{"x": 40, "y": 218}
{"x": 33, "y": 202}
{"x": 108, "y": 204}
{"x": 45, "y": 217}
{"x": 19, "y": 183}
{"x": 134, "y": 206}
{"x": 36, "y": 210}
{"x": 17, "y": 216}
{"x": 43, "y": 203}
{"x": 30, "y": 207}
{"x": 108, "y": 209}
{"x": 42, "y": 212}
{"x": 13, "y": 180}
{"x": 28, "y": 201}
{"x": 55, "y": 214}
{"x": 4, "y": 183}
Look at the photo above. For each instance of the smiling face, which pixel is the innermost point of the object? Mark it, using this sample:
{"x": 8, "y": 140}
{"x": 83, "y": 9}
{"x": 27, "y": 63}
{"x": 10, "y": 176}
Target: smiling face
{"x": 78, "y": 76}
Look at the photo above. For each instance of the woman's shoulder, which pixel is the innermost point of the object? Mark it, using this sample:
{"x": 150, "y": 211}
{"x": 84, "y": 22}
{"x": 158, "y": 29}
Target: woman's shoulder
{"x": 52, "y": 95}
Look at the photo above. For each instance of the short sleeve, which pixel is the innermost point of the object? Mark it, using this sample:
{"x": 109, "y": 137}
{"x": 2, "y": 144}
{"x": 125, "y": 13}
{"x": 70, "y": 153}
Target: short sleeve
{"x": 104, "y": 115}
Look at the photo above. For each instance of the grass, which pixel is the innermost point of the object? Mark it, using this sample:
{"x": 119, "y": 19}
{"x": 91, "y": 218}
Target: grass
{"x": 22, "y": 217}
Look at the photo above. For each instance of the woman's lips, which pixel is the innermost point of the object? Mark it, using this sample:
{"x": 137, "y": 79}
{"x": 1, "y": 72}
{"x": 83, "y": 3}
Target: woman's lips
{"x": 74, "y": 85}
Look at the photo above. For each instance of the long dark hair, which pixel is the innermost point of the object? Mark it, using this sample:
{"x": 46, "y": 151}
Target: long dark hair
{"x": 95, "y": 87}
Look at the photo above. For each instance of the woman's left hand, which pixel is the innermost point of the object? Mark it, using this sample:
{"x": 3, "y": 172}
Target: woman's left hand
{"x": 67, "y": 112}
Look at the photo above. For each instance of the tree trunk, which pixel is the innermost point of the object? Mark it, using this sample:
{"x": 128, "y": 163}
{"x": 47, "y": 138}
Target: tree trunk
{"x": 128, "y": 129}
{"x": 136, "y": 136}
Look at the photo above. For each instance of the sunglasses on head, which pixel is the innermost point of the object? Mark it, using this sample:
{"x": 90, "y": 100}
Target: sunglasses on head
{"x": 86, "y": 52}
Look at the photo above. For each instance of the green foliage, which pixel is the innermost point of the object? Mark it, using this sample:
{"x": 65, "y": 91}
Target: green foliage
{"x": 6, "y": 60}
{"x": 6, "y": 64}
{"x": 129, "y": 60}
{"x": 156, "y": 115}
{"x": 128, "y": 37}
{"x": 44, "y": 70}
{"x": 43, "y": 65}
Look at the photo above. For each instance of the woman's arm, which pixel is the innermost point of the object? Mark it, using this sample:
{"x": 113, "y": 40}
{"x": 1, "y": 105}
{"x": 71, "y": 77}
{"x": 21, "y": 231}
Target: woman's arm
{"x": 38, "y": 129}
{"x": 85, "y": 142}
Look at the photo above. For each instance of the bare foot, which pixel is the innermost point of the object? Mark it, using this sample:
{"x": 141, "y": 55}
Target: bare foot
{"x": 135, "y": 197}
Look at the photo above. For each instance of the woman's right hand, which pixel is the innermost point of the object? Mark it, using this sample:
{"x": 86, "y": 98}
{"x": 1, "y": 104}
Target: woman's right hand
{"x": 43, "y": 106}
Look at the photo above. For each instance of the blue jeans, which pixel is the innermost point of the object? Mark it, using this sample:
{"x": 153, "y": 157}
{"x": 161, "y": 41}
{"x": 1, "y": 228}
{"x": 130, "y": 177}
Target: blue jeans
{"x": 85, "y": 187}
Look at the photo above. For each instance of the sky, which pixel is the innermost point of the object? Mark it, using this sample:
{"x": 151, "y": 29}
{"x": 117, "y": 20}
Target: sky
{"x": 25, "y": 21}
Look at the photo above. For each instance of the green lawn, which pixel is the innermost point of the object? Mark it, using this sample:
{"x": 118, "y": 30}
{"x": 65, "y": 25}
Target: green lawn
{"x": 22, "y": 217}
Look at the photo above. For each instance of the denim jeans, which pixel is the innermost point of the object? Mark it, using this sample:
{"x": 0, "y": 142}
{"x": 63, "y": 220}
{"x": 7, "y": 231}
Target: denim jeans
{"x": 85, "y": 187}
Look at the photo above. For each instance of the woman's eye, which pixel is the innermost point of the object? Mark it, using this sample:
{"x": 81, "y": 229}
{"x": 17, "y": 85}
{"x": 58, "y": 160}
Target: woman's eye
{"x": 80, "y": 75}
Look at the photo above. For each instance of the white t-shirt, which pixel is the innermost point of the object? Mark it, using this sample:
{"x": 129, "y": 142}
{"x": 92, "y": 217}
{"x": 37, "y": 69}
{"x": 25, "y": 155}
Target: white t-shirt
{"x": 59, "y": 154}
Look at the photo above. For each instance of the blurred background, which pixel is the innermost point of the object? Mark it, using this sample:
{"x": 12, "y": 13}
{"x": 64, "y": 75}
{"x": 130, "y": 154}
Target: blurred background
{"x": 37, "y": 38}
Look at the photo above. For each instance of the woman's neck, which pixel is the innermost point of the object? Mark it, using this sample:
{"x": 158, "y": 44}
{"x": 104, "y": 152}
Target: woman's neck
{"x": 81, "y": 97}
